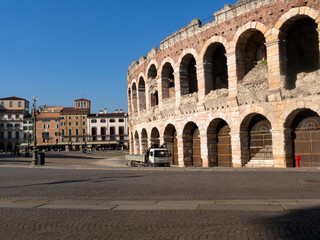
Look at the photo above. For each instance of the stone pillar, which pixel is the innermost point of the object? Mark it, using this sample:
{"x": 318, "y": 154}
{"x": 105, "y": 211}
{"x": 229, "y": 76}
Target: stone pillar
{"x": 177, "y": 88}
{"x": 232, "y": 78}
{"x": 278, "y": 147}
{"x": 236, "y": 149}
{"x": 274, "y": 76}
{"x": 318, "y": 30}
{"x": 161, "y": 136}
{"x": 160, "y": 98}
{"x": 180, "y": 151}
{"x": 204, "y": 150}
{"x": 201, "y": 83}
{"x": 147, "y": 95}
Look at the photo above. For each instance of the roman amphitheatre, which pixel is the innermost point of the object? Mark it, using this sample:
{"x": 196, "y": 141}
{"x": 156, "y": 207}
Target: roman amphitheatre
{"x": 240, "y": 91}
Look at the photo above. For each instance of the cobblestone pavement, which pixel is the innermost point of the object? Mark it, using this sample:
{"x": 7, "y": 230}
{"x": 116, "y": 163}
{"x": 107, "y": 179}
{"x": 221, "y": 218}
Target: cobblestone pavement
{"x": 43, "y": 203}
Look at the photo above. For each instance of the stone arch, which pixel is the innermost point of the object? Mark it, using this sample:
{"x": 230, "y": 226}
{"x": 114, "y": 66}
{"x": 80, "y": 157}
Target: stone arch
{"x": 298, "y": 44}
{"x": 256, "y": 141}
{"x": 302, "y": 137}
{"x": 144, "y": 141}
{"x": 129, "y": 101}
{"x": 171, "y": 142}
{"x": 215, "y": 67}
{"x": 152, "y": 72}
{"x": 219, "y": 143}
{"x": 191, "y": 145}
{"x": 188, "y": 72}
{"x": 142, "y": 94}
{"x": 136, "y": 143}
{"x": 155, "y": 137}
{"x": 250, "y": 47}
{"x": 167, "y": 81}
{"x": 134, "y": 98}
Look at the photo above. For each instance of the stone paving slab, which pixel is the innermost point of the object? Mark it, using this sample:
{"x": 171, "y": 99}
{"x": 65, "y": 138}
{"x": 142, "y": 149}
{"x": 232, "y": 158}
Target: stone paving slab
{"x": 257, "y": 208}
{"x": 87, "y": 207}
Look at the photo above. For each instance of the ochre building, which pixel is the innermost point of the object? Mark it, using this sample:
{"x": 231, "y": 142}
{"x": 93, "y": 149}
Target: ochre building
{"x": 242, "y": 90}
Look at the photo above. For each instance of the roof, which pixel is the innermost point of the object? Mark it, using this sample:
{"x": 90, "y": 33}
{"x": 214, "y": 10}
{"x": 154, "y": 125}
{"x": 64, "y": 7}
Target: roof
{"x": 72, "y": 110}
{"x": 82, "y": 99}
{"x": 48, "y": 115}
{"x": 108, "y": 115}
{"x": 14, "y": 98}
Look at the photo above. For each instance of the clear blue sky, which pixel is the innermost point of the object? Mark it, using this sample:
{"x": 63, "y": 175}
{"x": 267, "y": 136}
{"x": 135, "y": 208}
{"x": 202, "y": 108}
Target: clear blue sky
{"x": 61, "y": 50}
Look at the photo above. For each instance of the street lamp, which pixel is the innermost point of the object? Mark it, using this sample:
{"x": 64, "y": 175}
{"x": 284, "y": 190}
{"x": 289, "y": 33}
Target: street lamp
{"x": 34, "y": 153}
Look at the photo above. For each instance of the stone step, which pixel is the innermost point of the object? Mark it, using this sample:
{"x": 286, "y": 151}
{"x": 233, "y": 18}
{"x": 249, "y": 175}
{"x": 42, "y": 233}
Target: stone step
{"x": 257, "y": 163}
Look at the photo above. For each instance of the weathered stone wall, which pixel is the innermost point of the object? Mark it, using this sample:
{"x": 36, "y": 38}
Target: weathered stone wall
{"x": 257, "y": 81}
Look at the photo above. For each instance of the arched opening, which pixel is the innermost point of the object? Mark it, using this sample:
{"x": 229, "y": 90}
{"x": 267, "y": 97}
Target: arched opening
{"x": 171, "y": 143}
{"x": 191, "y": 145}
{"x": 154, "y": 99}
{"x": 303, "y": 138}
{"x": 136, "y": 143}
{"x": 188, "y": 75}
{"x": 131, "y": 146}
{"x": 299, "y": 48}
{"x": 134, "y": 98}
{"x": 142, "y": 94}
{"x": 219, "y": 144}
{"x": 152, "y": 72}
{"x": 155, "y": 137}
{"x": 250, "y": 51}
{"x": 144, "y": 141}
{"x": 129, "y": 104}
{"x": 168, "y": 90}
{"x": 256, "y": 141}
{"x": 215, "y": 67}
{"x": 94, "y": 133}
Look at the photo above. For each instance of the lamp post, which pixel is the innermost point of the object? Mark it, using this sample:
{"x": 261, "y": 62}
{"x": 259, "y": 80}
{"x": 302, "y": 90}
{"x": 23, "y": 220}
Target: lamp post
{"x": 34, "y": 153}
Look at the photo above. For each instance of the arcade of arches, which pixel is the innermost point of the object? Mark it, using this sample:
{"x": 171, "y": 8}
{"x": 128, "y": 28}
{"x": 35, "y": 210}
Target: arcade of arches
{"x": 244, "y": 95}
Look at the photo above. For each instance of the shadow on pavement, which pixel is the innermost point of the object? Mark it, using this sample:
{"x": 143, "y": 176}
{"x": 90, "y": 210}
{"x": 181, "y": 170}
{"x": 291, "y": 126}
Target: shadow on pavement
{"x": 296, "y": 224}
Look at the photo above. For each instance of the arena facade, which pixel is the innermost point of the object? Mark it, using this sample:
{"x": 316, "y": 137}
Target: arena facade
{"x": 240, "y": 91}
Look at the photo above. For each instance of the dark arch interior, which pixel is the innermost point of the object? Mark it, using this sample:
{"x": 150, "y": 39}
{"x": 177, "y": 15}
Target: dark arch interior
{"x": 250, "y": 50}
{"x": 155, "y": 137}
{"x": 302, "y": 49}
{"x": 152, "y": 72}
{"x": 216, "y": 69}
{"x": 142, "y": 94}
{"x": 167, "y": 81}
{"x": 188, "y": 75}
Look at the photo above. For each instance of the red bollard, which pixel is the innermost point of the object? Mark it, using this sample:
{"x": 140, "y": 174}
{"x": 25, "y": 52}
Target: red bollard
{"x": 298, "y": 158}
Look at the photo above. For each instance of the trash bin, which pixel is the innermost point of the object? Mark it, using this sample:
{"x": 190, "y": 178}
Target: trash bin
{"x": 40, "y": 158}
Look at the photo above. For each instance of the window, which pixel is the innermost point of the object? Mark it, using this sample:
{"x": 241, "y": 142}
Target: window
{"x": 121, "y": 130}
{"x": 85, "y": 104}
{"x": 78, "y": 104}
{"x": 84, "y": 131}
{"x": 62, "y": 133}
{"x": 63, "y": 123}
{"x": 57, "y": 125}
{"x": 25, "y": 122}
{"x": 19, "y": 104}
{"x": 17, "y": 134}
{"x": 9, "y": 135}
{"x": 43, "y": 126}
{"x": 1, "y": 125}
{"x": 84, "y": 123}
{"x": 9, "y": 125}
{"x": 83, "y": 117}
{"x": 25, "y": 128}
{"x": 56, "y": 134}
{"x": 77, "y": 132}
{"x": 2, "y": 104}
{"x": 57, "y": 120}
{"x": 69, "y": 123}
{"x": 77, "y": 123}
{"x": 69, "y": 132}
{"x": 112, "y": 120}
{"x": 11, "y": 104}
{"x": 45, "y": 135}
{"x": 81, "y": 104}
{"x": 62, "y": 117}
{"x": 9, "y": 116}
{"x": 48, "y": 126}
{"x": 121, "y": 120}
{"x": 69, "y": 118}
{"x": 31, "y": 128}
{"x": 102, "y": 120}
{"x": 77, "y": 117}
{"x": 93, "y": 121}
{"x": 17, "y": 116}
{"x": 1, "y": 117}
{"x": 1, "y": 134}
{"x": 17, "y": 125}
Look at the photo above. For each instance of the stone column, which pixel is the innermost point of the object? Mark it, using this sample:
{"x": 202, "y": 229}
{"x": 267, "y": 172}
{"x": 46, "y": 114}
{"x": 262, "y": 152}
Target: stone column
{"x": 177, "y": 89}
{"x": 180, "y": 151}
{"x": 160, "y": 98}
{"x": 147, "y": 95}
{"x": 232, "y": 78}
{"x": 204, "y": 150}
{"x": 201, "y": 83}
{"x": 278, "y": 147}
{"x": 318, "y": 30}
{"x": 274, "y": 76}
{"x": 236, "y": 149}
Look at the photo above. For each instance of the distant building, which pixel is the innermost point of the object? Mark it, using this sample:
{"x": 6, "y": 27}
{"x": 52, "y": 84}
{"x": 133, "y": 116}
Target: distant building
{"x": 12, "y": 113}
{"x": 73, "y": 124}
{"x": 108, "y": 130}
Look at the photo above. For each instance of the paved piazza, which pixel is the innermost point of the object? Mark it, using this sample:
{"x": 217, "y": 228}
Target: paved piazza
{"x": 79, "y": 200}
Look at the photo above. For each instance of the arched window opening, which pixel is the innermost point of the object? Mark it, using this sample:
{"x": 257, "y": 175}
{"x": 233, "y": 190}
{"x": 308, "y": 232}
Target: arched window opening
{"x": 134, "y": 98}
{"x": 155, "y": 137}
{"x": 215, "y": 67}
{"x": 154, "y": 99}
{"x": 188, "y": 75}
{"x": 168, "y": 90}
{"x": 129, "y": 104}
{"x": 250, "y": 51}
{"x": 136, "y": 143}
{"x": 191, "y": 145}
{"x": 171, "y": 143}
{"x": 94, "y": 133}
{"x": 144, "y": 141}
{"x": 142, "y": 94}
{"x": 299, "y": 49}
{"x": 152, "y": 72}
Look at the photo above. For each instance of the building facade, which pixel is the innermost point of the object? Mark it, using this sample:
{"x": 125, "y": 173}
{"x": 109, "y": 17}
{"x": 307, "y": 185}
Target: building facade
{"x": 12, "y": 113}
{"x": 242, "y": 90}
{"x": 108, "y": 130}
{"x": 73, "y": 125}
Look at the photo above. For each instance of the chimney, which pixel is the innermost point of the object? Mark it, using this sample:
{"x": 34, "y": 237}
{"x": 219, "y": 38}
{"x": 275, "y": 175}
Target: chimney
{"x": 116, "y": 111}
{"x": 105, "y": 110}
{"x": 120, "y": 110}
{"x": 100, "y": 111}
